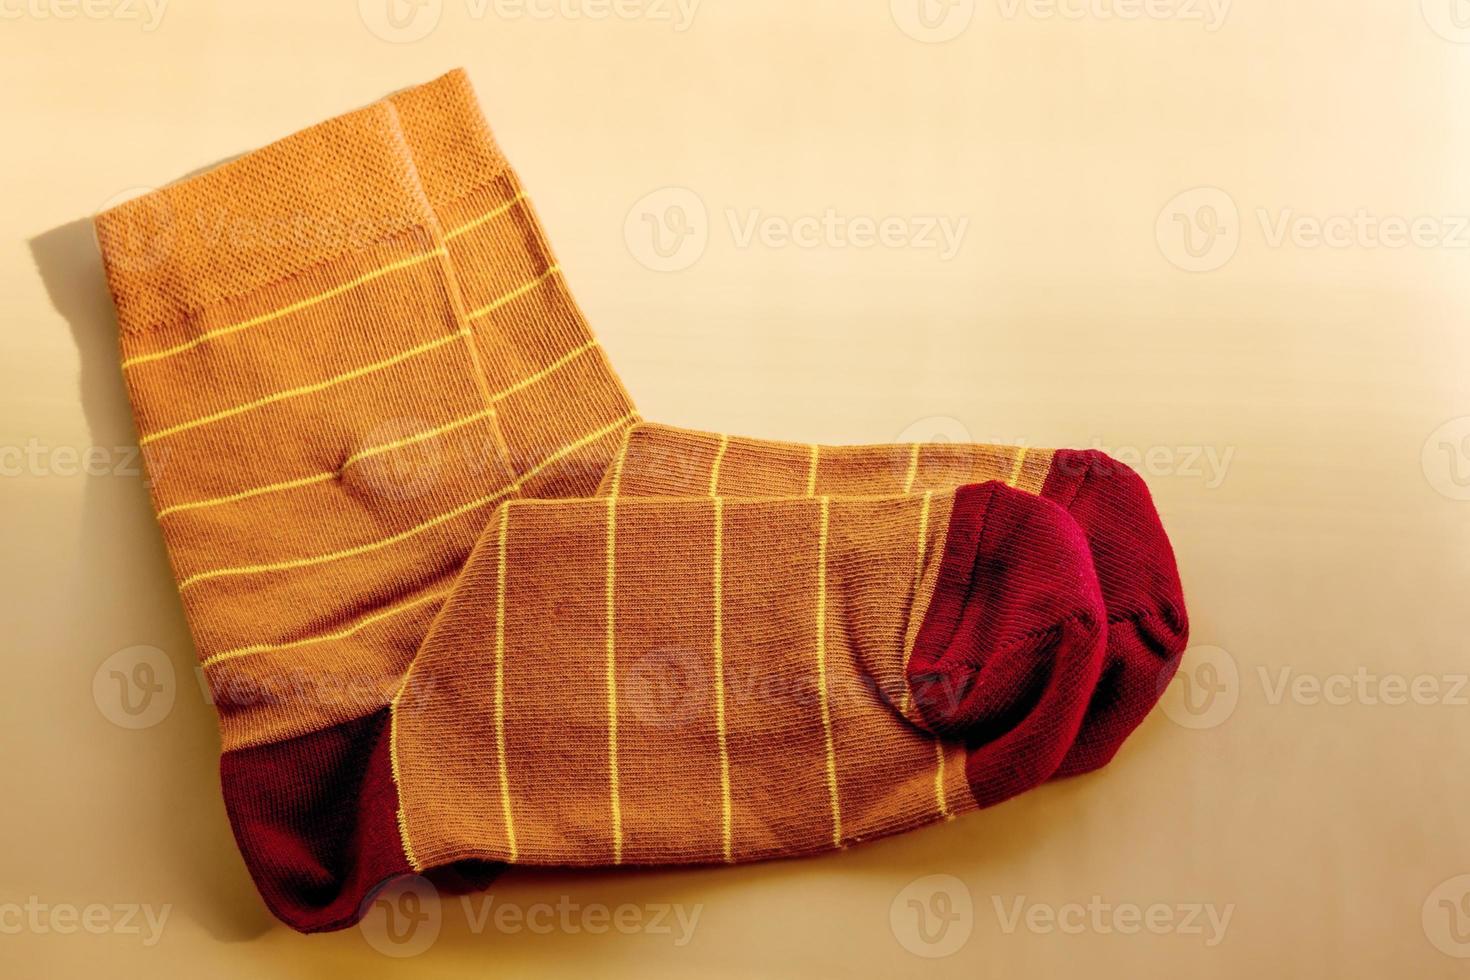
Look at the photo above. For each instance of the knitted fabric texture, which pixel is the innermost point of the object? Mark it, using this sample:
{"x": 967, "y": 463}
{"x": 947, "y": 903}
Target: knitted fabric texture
{"x": 323, "y": 450}
{"x": 1148, "y": 626}
{"x": 557, "y": 388}
{"x": 658, "y": 681}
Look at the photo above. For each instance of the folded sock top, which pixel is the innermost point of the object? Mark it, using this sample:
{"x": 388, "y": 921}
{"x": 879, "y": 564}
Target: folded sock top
{"x": 453, "y": 148}
{"x": 322, "y": 192}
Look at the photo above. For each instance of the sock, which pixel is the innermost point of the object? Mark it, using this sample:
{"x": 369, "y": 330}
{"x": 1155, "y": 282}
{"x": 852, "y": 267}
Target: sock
{"x": 543, "y": 327}
{"x": 556, "y": 389}
{"x": 323, "y": 452}
{"x": 1147, "y": 624}
{"x": 674, "y": 681}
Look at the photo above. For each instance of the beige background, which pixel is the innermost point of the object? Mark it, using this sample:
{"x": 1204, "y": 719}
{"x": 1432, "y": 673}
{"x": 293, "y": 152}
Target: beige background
{"x": 1137, "y": 271}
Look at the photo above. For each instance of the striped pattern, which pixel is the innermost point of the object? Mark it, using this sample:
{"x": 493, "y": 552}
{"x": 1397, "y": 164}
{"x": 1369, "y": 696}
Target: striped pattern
{"x": 610, "y": 594}
{"x": 649, "y": 466}
{"x": 367, "y": 410}
{"x": 754, "y": 468}
{"x": 717, "y": 598}
{"x": 698, "y": 702}
{"x": 824, "y": 708}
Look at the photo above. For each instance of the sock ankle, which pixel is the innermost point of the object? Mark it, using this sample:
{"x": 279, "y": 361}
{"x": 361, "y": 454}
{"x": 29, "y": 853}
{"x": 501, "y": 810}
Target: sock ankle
{"x": 323, "y": 453}
{"x": 556, "y": 393}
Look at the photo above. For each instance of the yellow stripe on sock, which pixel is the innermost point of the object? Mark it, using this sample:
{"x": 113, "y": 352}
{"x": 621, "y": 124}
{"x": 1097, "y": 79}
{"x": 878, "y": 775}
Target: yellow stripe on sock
{"x": 939, "y": 795}
{"x": 908, "y": 480}
{"x": 432, "y": 522}
{"x": 617, "y": 473}
{"x": 403, "y": 838}
{"x": 545, "y": 372}
{"x": 612, "y": 681}
{"x": 356, "y": 627}
{"x": 822, "y": 672}
{"x": 918, "y": 582}
{"x": 388, "y": 447}
{"x": 482, "y": 219}
{"x": 811, "y": 474}
{"x": 510, "y": 827}
{"x": 514, "y": 294}
{"x": 362, "y": 549}
{"x": 1016, "y": 467}
{"x": 331, "y": 474}
{"x": 304, "y": 389}
{"x": 714, "y": 470}
{"x": 283, "y": 311}
{"x": 304, "y": 481}
{"x": 727, "y": 817}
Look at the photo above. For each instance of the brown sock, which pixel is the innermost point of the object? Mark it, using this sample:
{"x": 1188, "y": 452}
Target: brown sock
{"x": 1148, "y": 628}
{"x": 655, "y": 681}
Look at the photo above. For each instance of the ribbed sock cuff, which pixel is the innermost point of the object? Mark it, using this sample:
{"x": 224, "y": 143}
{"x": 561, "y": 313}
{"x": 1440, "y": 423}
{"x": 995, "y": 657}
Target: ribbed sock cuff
{"x": 311, "y": 197}
{"x": 450, "y": 140}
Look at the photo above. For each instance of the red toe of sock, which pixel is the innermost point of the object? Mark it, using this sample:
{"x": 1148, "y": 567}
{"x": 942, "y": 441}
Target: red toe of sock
{"x": 1148, "y": 627}
{"x": 1011, "y": 644}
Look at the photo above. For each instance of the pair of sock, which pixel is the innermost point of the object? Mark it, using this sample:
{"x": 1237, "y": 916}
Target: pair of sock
{"x": 459, "y": 607}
